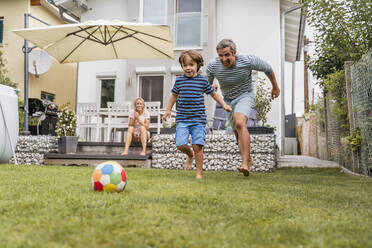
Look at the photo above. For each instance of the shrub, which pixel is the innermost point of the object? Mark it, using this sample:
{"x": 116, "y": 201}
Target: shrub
{"x": 263, "y": 101}
{"x": 66, "y": 122}
{"x": 355, "y": 140}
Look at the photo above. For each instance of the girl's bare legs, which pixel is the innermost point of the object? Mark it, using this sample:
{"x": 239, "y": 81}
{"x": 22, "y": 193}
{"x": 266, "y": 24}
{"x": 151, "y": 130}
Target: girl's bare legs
{"x": 143, "y": 138}
{"x": 199, "y": 157}
{"x": 190, "y": 155}
{"x": 128, "y": 140}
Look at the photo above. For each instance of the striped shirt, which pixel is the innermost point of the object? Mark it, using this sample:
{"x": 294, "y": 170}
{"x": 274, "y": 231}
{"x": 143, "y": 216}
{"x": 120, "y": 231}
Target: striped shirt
{"x": 236, "y": 80}
{"x": 190, "y": 101}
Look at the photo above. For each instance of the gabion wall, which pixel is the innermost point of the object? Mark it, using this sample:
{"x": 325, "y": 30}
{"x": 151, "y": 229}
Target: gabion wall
{"x": 30, "y": 150}
{"x": 220, "y": 153}
{"x": 361, "y": 84}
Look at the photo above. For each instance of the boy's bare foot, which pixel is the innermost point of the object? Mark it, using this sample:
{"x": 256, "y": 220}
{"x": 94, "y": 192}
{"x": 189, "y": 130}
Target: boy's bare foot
{"x": 143, "y": 153}
{"x": 188, "y": 162}
{"x": 198, "y": 176}
{"x": 124, "y": 153}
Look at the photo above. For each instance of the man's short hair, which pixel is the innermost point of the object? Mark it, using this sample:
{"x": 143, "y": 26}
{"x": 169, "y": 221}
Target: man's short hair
{"x": 194, "y": 55}
{"x": 226, "y": 43}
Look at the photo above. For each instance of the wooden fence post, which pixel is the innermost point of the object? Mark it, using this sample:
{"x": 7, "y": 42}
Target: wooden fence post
{"x": 347, "y": 67}
{"x": 326, "y": 122}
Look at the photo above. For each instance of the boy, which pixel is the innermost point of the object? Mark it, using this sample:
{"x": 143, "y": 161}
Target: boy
{"x": 188, "y": 91}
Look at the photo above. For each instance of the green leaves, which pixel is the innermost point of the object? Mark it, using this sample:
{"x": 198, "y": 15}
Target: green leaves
{"x": 335, "y": 85}
{"x": 343, "y": 32}
{"x": 355, "y": 140}
{"x": 3, "y": 71}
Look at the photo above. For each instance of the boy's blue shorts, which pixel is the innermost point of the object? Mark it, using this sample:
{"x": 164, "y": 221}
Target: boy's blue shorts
{"x": 183, "y": 131}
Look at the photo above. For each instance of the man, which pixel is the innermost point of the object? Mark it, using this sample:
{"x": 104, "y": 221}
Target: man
{"x": 234, "y": 74}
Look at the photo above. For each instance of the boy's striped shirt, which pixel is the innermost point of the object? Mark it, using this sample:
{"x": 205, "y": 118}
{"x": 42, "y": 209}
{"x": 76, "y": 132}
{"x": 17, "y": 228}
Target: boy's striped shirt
{"x": 236, "y": 80}
{"x": 190, "y": 101}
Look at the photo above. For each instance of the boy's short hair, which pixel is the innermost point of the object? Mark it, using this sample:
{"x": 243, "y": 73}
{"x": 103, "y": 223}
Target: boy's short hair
{"x": 194, "y": 55}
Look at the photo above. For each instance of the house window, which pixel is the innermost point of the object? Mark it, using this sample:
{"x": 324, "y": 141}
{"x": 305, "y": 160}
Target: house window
{"x": 107, "y": 92}
{"x": 155, "y": 11}
{"x": 151, "y": 88}
{"x": 1, "y": 30}
{"x": 188, "y": 23}
{"x": 47, "y": 96}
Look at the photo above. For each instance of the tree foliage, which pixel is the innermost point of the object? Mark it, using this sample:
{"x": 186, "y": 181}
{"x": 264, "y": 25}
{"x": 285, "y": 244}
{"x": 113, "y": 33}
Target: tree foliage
{"x": 343, "y": 32}
{"x": 6, "y": 81}
{"x": 3, "y": 73}
{"x": 334, "y": 84}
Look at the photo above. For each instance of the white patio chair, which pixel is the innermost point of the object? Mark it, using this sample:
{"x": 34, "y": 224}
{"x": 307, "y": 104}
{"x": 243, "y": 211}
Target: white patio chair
{"x": 118, "y": 119}
{"x": 88, "y": 121}
{"x": 154, "y": 110}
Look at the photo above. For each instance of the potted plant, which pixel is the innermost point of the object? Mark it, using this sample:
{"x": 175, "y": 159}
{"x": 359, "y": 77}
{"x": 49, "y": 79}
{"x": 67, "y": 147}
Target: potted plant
{"x": 169, "y": 127}
{"x": 263, "y": 106}
{"x": 66, "y": 130}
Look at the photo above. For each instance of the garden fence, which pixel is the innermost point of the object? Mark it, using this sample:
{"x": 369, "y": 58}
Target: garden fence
{"x": 361, "y": 93}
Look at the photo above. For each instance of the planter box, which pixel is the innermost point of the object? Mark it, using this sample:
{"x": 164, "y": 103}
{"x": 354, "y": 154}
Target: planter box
{"x": 167, "y": 130}
{"x": 67, "y": 144}
{"x": 260, "y": 130}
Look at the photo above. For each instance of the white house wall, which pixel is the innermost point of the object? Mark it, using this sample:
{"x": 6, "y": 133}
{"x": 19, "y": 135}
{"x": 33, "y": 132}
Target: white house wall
{"x": 90, "y": 73}
{"x": 255, "y": 28}
{"x": 253, "y": 24}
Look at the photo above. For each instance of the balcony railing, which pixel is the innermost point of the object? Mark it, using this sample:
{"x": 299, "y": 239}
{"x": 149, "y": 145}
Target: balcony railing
{"x": 189, "y": 30}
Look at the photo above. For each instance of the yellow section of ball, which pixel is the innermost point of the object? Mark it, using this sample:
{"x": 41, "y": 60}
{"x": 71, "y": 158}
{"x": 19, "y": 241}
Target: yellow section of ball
{"x": 109, "y": 187}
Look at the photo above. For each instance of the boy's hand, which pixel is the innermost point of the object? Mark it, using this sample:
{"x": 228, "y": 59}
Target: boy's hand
{"x": 215, "y": 86}
{"x": 166, "y": 115}
{"x": 227, "y": 108}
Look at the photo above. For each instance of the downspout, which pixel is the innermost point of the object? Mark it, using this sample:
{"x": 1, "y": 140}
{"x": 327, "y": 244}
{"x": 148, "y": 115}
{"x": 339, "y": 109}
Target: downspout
{"x": 282, "y": 102}
{"x": 61, "y": 11}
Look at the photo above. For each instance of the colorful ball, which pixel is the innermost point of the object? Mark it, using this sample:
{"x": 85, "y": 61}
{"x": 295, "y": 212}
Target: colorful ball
{"x": 109, "y": 176}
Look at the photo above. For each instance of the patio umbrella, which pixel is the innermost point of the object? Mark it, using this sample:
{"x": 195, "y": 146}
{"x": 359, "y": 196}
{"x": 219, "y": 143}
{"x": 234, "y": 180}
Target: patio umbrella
{"x": 101, "y": 40}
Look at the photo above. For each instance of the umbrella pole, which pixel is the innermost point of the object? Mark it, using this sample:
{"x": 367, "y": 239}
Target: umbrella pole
{"x": 26, "y": 51}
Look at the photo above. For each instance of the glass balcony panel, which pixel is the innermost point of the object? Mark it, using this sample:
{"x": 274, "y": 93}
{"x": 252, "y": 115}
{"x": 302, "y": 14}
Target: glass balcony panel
{"x": 188, "y": 29}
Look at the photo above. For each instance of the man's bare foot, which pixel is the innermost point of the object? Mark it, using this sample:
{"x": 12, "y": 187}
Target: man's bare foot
{"x": 143, "y": 153}
{"x": 245, "y": 169}
{"x": 199, "y": 176}
{"x": 124, "y": 153}
{"x": 188, "y": 163}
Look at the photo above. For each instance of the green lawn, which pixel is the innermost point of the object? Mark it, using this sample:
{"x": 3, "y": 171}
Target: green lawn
{"x": 50, "y": 206}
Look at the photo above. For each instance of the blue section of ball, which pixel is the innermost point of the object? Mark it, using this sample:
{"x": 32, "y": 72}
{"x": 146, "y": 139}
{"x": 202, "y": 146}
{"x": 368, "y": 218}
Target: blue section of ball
{"x": 107, "y": 169}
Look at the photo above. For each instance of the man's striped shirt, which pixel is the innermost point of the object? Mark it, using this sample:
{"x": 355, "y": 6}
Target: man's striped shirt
{"x": 190, "y": 101}
{"x": 236, "y": 80}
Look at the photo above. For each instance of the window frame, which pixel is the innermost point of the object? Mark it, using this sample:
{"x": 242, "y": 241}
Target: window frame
{"x": 47, "y": 94}
{"x": 196, "y": 47}
{"x": 142, "y": 9}
{"x": 139, "y": 83}
{"x": 100, "y": 79}
{"x": 2, "y": 31}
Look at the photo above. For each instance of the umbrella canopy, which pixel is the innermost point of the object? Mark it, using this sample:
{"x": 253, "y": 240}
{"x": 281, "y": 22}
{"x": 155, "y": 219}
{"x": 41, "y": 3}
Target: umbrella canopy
{"x": 101, "y": 40}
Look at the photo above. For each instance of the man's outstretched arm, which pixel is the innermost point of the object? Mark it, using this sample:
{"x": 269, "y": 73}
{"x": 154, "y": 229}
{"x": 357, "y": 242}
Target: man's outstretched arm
{"x": 275, "y": 92}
